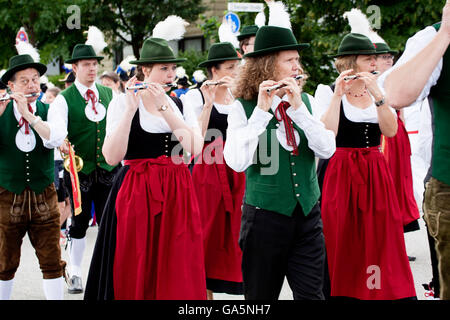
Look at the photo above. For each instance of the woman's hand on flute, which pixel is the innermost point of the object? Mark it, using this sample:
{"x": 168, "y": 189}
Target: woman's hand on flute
{"x": 342, "y": 85}
{"x": 370, "y": 81}
{"x": 292, "y": 90}
{"x": 265, "y": 98}
{"x": 209, "y": 94}
{"x": 132, "y": 99}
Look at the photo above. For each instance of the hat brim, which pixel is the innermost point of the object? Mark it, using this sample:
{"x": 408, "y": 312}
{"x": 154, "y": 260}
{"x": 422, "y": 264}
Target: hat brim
{"x": 358, "y": 53}
{"x": 213, "y": 61}
{"x": 41, "y": 68}
{"x": 162, "y": 60}
{"x": 245, "y": 35}
{"x": 73, "y": 60}
{"x": 261, "y": 52}
{"x": 393, "y": 52}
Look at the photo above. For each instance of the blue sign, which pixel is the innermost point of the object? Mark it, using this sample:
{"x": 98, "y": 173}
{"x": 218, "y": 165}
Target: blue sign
{"x": 233, "y": 20}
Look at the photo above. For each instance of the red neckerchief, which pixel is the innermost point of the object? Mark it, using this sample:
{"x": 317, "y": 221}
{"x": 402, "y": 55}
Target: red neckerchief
{"x": 22, "y": 121}
{"x": 90, "y": 95}
{"x": 280, "y": 115}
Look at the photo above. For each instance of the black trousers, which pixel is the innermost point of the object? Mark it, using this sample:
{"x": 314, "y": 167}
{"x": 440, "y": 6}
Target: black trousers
{"x": 95, "y": 189}
{"x": 275, "y": 246}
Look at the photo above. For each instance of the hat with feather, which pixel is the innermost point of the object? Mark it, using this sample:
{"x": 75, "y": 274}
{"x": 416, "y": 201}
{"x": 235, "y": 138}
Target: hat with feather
{"x": 156, "y": 49}
{"x": 360, "y": 24}
{"x": 28, "y": 57}
{"x": 91, "y": 49}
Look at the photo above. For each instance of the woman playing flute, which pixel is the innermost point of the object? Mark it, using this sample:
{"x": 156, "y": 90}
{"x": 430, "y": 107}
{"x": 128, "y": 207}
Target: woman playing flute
{"x": 157, "y": 251}
{"x": 274, "y": 138}
{"x": 362, "y": 222}
{"x": 219, "y": 188}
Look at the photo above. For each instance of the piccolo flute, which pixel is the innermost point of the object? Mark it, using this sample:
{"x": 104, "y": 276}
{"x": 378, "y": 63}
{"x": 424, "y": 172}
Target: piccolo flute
{"x": 356, "y": 76}
{"x": 214, "y": 83}
{"x": 278, "y": 86}
{"x": 7, "y": 96}
{"x": 145, "y": 86}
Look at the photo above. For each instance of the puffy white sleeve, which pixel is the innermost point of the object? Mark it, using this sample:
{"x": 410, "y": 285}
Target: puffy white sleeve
{"x": 243, "y": 136}
{"x": 193, "y": 100}
{"x": 57, "y": 119}
{"x": 322, "y": 97}
{"x": 116, "y": 109}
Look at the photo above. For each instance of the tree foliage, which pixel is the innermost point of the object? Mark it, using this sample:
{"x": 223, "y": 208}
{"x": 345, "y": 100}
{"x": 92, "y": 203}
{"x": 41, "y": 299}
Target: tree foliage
{"x": 132, "y": 21}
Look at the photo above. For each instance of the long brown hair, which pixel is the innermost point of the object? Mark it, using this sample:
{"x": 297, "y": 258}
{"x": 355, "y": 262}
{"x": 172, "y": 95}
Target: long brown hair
{"x": 256, "y": 70}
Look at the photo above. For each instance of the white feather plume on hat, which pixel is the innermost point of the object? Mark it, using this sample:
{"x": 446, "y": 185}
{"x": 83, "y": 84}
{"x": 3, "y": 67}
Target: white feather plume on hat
{"x": 260, "y": 19}
{"x": 226, "y": 34}
{"x": 172, "y": 28}
{"x": 96, "y": 39}
{"x": 180, "y": 72}
{"x": 360, "y": 24}
{"x": 199, "y": 76}
{"x": 278, "y": 15}
{"x": 26, "y": 48}
{"x": 125, "y": 64}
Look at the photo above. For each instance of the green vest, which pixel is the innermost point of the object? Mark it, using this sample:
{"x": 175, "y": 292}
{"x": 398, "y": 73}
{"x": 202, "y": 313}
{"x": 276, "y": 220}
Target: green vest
{"x": 295, "y": 179}
{"x": 86, "y": 136}
{"x": 18, "y": 170}
{"x": 440, "y": 95}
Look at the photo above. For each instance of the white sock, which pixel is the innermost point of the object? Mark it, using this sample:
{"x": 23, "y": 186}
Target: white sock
{"x": 76, "y": 256}
{"x": 54, "y": 288}
{"x": 6, "y": 289}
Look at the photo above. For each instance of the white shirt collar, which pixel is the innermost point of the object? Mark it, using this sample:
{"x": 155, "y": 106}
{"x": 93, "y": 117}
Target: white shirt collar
{"x": 276, "y": 101}
{"x": 82, "y": 88}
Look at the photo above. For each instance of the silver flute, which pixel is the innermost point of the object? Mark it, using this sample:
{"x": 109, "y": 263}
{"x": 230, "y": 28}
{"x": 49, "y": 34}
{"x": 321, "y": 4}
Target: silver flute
{"x": 214, "y": 83}
{"x": 7, "y": 96}
{"x": 145, "y": 86}
{"x": 278, "y": 86}
{"x": 356, "y": 76}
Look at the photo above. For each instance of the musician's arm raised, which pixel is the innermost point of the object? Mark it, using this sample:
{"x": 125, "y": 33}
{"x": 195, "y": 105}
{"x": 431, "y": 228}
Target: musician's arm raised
{"x": 121, "y": 111}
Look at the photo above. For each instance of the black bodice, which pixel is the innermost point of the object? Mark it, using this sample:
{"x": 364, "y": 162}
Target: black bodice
{"x": 143, "y": 144}
{"x": 357, "y": 134}
{"x": 219, "y": 122}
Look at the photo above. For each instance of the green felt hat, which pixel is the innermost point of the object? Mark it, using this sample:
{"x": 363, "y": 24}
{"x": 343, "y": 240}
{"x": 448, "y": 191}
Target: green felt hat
{"x": 22, "y": 62}
{"x": 355, "y": 43}
{"x": 382, "y": 47}
{"x": 83, "y": 52}
{"x": 156, "y": 50}
{"x": 218, "y": 52}
{"x": 273, "y": 39}
{"x": 248, "y": 31}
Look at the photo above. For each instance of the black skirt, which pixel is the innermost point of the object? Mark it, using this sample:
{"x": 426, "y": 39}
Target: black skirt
{"x": 99, "y": 285}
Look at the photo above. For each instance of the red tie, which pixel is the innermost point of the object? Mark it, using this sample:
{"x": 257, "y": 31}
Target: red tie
{"x": 280, "y": 114}
{"x": 25, "y": 122}
{"x": 90, "y": 95}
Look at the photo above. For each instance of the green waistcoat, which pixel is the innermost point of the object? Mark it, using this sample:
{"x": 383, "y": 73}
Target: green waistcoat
{"x": 440, "y": 95}
{"x": 18, "y": 170}
{"x": 86, "y": 136}
{"x": 294, "y": 182}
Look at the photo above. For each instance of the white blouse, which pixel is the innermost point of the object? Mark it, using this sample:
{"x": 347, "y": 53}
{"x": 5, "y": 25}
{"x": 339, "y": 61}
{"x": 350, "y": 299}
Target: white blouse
{"x": 324, "y": 95}
{"x": 193, "y": 100}
{"x": 149, "y": 122}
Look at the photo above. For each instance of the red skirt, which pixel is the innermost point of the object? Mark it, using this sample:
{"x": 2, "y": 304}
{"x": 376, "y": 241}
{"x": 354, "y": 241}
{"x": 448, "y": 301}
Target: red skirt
{"x": 397, "y": 151}
{"x": 219, "y": 191}
{"x": 159, "y": 248}
{"x": 363, "y": 228}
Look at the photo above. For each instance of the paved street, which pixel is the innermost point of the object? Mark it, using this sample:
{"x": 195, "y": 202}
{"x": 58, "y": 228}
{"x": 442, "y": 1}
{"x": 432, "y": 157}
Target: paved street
{"x": 28, "y": 280}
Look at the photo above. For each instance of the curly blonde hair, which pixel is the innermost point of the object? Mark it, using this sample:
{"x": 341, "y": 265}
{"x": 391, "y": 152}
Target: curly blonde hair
{"x": 254, "y": 71}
